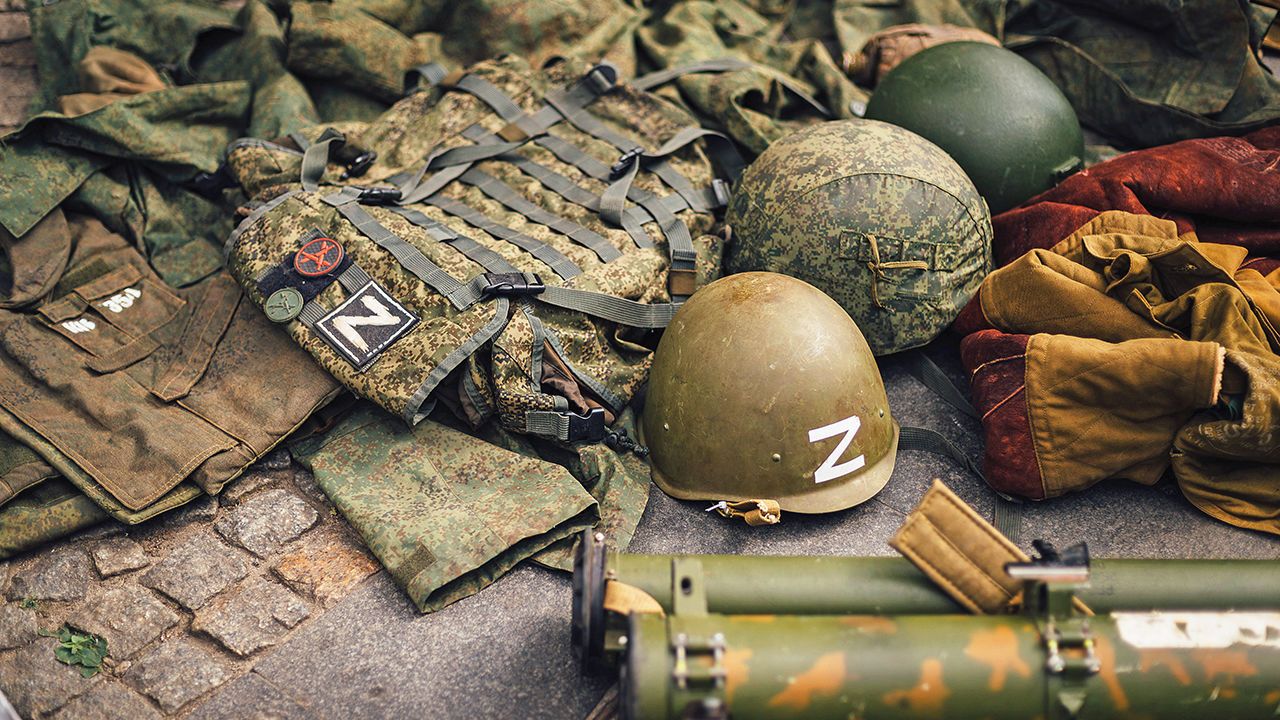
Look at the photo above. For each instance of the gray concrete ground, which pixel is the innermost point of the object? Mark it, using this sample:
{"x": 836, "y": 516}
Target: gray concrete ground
{"x": 262, "y": 604}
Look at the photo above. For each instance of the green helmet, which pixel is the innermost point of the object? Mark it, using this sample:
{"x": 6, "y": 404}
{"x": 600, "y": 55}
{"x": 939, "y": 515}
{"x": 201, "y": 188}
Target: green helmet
{"x": 877, "y": 217}
{"x": 762, "y": 388}
{"x": 1004, "y": 121}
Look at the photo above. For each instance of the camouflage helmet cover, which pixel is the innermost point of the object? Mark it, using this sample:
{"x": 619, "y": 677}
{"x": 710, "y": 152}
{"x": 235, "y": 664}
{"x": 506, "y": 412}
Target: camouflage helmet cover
{"x": 876, "y": 216}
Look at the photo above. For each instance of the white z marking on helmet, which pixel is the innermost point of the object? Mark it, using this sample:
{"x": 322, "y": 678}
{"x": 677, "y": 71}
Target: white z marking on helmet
{"x": 829, "y": 470}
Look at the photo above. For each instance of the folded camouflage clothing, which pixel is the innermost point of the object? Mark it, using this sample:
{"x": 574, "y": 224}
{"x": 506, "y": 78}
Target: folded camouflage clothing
{"x": 143, "y": 396}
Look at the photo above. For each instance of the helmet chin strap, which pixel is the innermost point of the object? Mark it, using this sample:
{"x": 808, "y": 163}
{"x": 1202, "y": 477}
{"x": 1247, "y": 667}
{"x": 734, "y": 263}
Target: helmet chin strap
{"x": 753, "y": 512}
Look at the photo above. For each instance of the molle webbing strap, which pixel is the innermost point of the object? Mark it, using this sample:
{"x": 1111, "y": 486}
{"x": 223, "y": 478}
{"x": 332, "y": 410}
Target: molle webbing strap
{"x": 477, "y": 253}
{"x": 612, "y": 211}
{"x": 351, "y": 279}
{"x": 548, "y": 424}
{"x": 501, "y": 192}
{"x": 559, "y": 264}
{"x": 409, "y": 257}
{"x": 315, "y": 157}
{"x": 449, "y": 165}
{"x": 959, "y": 551}
{"x": 608, "y": 307}
{"x": 931, "y": 376}
{"x": 662, "y": 210}
{"x": 631, "y": 220}
{"x": 429, "y": 74}
{"x": 570, "y": 105}
{"x": 588, "y": 124}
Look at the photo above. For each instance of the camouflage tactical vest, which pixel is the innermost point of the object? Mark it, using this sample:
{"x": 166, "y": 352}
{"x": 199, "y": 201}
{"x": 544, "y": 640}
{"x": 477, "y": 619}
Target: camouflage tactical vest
{"x": 509, "y": 252}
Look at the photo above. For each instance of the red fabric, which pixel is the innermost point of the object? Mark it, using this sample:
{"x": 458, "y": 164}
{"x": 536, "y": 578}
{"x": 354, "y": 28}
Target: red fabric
{"x": 1227, "y": 189}
{"x": 997, "y": 365}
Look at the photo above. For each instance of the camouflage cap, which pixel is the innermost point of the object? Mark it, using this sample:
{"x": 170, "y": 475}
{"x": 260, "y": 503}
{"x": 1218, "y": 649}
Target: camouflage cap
{"x": 877, "y": 217}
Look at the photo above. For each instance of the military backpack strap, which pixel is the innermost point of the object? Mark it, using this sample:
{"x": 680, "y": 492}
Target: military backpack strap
{"x": 424, "y": 76}
{"x": 1008, "y": 510}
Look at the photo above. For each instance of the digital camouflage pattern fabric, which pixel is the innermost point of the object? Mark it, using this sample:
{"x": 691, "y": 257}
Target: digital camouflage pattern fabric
{"x": 446, "y": 513}
{"x": 877, "y": 217}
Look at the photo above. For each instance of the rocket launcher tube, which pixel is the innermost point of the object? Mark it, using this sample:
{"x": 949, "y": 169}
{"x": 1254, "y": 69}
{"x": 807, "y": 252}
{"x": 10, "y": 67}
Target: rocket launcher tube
{"x": 747, "y": 585}
{"x": 770, "y": 667}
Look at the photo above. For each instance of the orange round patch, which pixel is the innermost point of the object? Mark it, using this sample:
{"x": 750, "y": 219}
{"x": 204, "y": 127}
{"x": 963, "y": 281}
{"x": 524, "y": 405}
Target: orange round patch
{"x": 318, "y": 257}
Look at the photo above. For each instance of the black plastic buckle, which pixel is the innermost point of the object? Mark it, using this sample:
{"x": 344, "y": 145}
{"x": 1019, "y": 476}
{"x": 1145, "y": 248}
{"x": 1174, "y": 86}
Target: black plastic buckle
{"x": 1052, "y": 564}
{"x": 589, "y": 428}
{"x": 601, "y": 79}
{"x": 360, "y": 165}
{"x": 513, "y": 284}
{"x": 378, "y": 195}
{"x": 211, "y": 185}
{"x": 625, "y": 161}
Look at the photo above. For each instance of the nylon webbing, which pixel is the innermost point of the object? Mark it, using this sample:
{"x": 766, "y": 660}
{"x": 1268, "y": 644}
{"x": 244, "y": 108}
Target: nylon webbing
{"x": 931, "y": 376}
{"x": 671, "y": 227}
{"x": 570, "y": 104}
{"x": 588, "y": 123}
{"x": 501, "y": 192}
{"x": 559, "y": 264}
{"x": 353, "y": 278}
{"x": 547, "y": 423}
{"x": 607, "y": 307}
{"x": 613, "y": 200}
{"x": 630, "y": 220}
{"x": 660, "y": 209}
{"x": 431, "y": 72}
{"x": 316, "y": 158}
{"x": 409, "y": 257}
{"x": 1008, "y": 513}
{"x": 449, "y": 165}
{"x": 599, "y": 305}
{"x": 474, "y": 251}
{"x": 311, "y": 313}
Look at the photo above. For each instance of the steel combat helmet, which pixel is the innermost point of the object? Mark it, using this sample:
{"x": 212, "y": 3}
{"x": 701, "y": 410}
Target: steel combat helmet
{"x": 1004, "y": 121}
{"x": 763, "y": 389}
{"x": 877, "y": 217}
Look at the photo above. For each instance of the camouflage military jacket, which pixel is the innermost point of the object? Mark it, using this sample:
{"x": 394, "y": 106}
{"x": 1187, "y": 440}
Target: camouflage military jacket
{"x": 142, "y": 396}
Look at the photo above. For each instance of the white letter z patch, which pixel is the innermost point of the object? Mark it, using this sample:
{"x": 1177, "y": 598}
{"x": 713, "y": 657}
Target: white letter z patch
{"x": 365, "y": 324}
{"x": 829, "y": 469}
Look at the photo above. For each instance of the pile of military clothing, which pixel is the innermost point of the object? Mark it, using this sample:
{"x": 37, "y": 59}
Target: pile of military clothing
{"x": 479, "y": 216}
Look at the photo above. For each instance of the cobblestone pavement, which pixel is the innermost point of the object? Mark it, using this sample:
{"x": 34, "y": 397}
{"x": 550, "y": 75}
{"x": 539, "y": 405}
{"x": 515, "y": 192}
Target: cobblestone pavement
{"x": 187, "y": 602}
